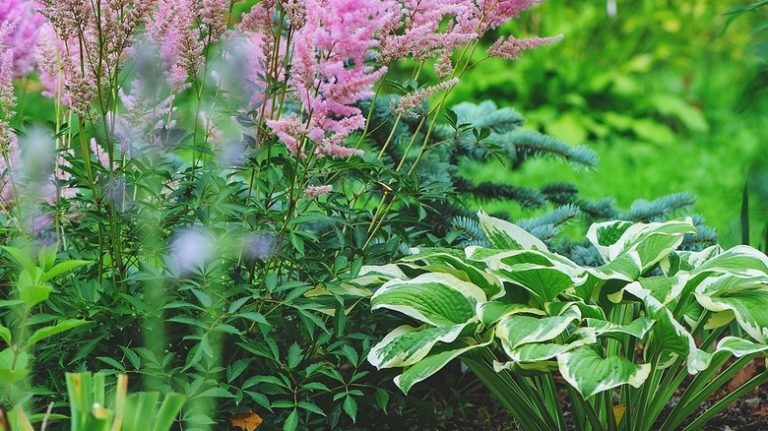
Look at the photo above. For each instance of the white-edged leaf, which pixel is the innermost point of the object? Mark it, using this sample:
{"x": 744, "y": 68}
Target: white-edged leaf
{"x": 430, "y": 365}
{"x": 747, "y": 298}
{"x": 741, "y": 260}
{"x": 507, "y": 236}
{"x": 589, "y": 373}
{"x": 636, "y": 328}
{"x": 492, "y": 311}
{"x": 538, "y": 352}
{"x": 739, "y": 346}
{"x": 517, "y": 330}
{"x": 643, "y": 244}
{"x": 407, "y": 345}
{"x": 434, "y": 298}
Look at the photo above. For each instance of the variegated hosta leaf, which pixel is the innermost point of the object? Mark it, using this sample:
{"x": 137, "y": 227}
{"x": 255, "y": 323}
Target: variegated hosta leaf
{"x": 492, "y": 311}
{"x": 665, "y": 289}
{"x": 434, "y": 298}
{"x": 747, "y": 298}
{"x": 739, "y": 347}
{"x": 589, "y": 373}
{"x": 537, "y": 352}
{"x": 636, "y": 328}
{"x": 517, "y": 330}
{"x": 370, "y": 275}
{"x": 542, "y": 273}
{"x": 684, "y": 260}
{"x": 507, "y": 236}
{"x": 669, "y": 338}
{"x": 454, "y": 263}
{"x": 407, "y": 345}
{"x": 432, "y": 364}
{"x": 741, "y": 260}
{"x": 638, "y": 248}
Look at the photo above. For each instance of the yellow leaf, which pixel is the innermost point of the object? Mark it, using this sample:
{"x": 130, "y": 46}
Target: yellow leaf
{"x": 618, "y": 412}
{"x": 247, "y": 421}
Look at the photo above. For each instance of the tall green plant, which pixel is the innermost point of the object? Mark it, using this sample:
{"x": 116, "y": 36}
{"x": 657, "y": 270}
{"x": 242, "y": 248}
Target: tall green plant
{"x": 91, "y": 409}
{"x": 623, "y": 335}
{"x": 24, "y": 325}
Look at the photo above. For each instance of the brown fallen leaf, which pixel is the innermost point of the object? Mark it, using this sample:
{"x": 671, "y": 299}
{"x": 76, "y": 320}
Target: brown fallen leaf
{"x": 742, "y": 376}
{"x": 246, "y": 421}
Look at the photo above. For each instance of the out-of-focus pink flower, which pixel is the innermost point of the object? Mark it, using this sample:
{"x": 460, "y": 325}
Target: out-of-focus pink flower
{"x": 213, "y": 14}
{"x": 10, "y": 156}
{"x": 174, "y": 28}
{"x": 25, "y": 24}
{"x": 7, "y": 97}
{"x": 313, "y": 192}
{"x": 190, "y": 250}
{"x": 511, "y": 48}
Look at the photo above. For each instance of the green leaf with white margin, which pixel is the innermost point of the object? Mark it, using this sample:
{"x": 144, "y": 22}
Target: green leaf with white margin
{"x": 665, "y": 289}
{"x": 407, "y": 345}
{"x": 589, "y": 373}
{"x": 638, "y": 249}
{"x": 371, "y": 275}
{"x": 684, "y": 260}
{"x": 454, "y": 262}
{"x": 515, "y": 331}
{"x": 669, "y": 338}
{"x": 432, "y": 364}
{"x": 544, "y": 274}
{"x": 507, "y": 236}
{"x": 605, "y": 234}
{"x": 538, "y": 352}
{"x": 645, "y": 243}
{"x": 741, "y": 260}
{"x": 492, "y": 311}
{"x": 637, "y": 328}
{"x": 434, "y": 298}
{"x": 747, "y": 298}
{"x": 739, "y": 347}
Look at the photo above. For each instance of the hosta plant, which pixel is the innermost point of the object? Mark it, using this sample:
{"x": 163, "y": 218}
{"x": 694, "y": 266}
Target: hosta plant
{"x": 623, "y": 336}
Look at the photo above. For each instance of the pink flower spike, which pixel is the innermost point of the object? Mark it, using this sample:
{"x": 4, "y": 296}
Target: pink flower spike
{"x": 312, "y": 192}
{"x": 512, "y": 48}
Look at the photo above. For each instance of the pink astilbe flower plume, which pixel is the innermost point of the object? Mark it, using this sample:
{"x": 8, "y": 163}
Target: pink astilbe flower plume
{"x": 22, "y": 16}
{"x": 512, "y": 48}
{"x": 422, "y": 37}
{"x": 7, "y": 97}
{"x": 313, "y": 192}
{"x": 174, "y": 28}
{"x": 329, "y": 73}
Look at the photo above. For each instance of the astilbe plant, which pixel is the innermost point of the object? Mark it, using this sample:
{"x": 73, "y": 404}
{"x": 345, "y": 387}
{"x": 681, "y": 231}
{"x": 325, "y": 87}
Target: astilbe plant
{"x": 624, "y": 335}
